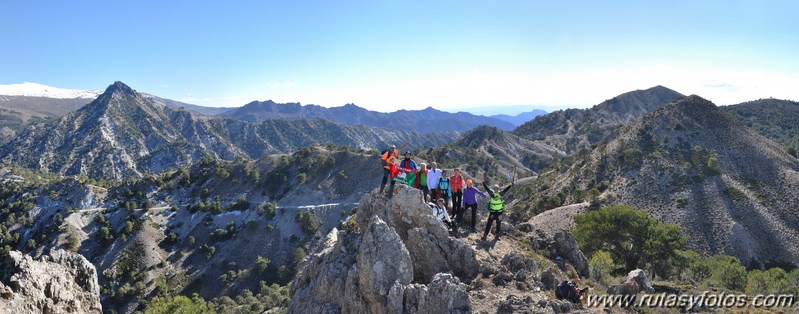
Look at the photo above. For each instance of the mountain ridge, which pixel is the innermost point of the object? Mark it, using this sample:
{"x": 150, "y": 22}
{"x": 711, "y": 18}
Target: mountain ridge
{"x": 521, "y": 118}
{"x": 691, "y": 163}
{"x": 123, "y": 133}
{"x": 573, "y": 129}
{"x": 425, "y": 120}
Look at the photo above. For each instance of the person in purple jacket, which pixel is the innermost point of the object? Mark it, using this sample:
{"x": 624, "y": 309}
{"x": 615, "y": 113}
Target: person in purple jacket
{"x": 470, "y": 200}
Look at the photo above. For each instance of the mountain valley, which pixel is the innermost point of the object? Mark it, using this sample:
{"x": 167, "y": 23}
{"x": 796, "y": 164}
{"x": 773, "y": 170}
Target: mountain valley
{"x": 274, "y": 207}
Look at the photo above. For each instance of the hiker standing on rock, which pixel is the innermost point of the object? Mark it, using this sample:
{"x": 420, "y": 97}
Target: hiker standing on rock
{"x": 456, "y": 183}
{"x": 407, "y": 162}
{"x": 420, "y": 182}
{"x": 407, "y": 170}
{"x": 432, "y": 181}
{"x": 495, "y": 207}
{"x": 443, "y": 187}
{"x": 470, "y": 201}
{"x": 388, "y": 158}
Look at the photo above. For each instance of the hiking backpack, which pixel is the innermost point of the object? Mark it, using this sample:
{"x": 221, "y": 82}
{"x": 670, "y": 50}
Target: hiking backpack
{"x": 567, "y": 290}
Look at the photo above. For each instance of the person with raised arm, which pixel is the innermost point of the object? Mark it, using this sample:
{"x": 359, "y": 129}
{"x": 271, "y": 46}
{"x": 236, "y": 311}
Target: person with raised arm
{"x": 496, "y": 205}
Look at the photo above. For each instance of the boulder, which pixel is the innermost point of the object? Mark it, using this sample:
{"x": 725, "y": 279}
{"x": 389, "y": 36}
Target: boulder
{"x": 516, "y": 263}
{"x": 528, "y": 304}
{"x": 636, "y": 282}
{"x": 548, "y": 279}
{"x": 639, "y": 277}
{"x": 61, "y": 282}
{"x": 432, "y": 254}
{"x": 564, "y": 244}
{"x": 445, "y": 294}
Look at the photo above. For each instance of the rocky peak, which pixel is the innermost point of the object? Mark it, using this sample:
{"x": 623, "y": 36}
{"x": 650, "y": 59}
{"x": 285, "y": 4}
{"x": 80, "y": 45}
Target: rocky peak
{"x": 119, "y": 87}
{"x": 396, "y": 257}
{"x": 401, "y": 260}
{"x": 61, "y": 282}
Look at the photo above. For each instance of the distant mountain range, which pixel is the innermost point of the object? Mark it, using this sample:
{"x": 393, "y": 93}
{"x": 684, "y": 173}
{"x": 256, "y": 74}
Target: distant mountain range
{"x": 574, "y": 129}
{"x": 124, "y": 133}
{"x": 521, "y": 118}
{"x": 56, "y": 102}
{"x": 427, "y": 120}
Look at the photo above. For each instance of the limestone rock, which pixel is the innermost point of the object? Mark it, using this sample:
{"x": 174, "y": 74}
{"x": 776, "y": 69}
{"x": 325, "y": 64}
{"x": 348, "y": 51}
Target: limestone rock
{"x": 62, "y": 282}
{"x": 564, "y": 244}
{"x": 548, "y": 279}
{"x": 516, "y": 263}
{"x": 639, "y": 277}
{"x": 514, "y": 304}
{"x": 433, "y": 255}
{"x": 445, "y": 294}
{"x": 636, "y": 282}
{"x": 403, "y": 262}
{"x": 382, "y": 262}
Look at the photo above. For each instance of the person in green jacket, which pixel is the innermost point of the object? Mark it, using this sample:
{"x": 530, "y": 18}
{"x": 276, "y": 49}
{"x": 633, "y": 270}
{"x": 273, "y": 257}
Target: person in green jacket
{"x": 496, "y": 205}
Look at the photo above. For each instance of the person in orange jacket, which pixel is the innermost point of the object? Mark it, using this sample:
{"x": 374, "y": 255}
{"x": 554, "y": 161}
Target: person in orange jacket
{"x": 388, "y": 158}
{"x": 456, "y": 184}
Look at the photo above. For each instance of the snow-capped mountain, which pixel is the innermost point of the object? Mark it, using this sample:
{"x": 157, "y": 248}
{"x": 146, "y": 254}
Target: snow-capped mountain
{"x": 40, "y": 90}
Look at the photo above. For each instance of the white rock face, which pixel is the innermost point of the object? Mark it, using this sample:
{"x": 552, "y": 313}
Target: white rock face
{"x": 62, "y": 282}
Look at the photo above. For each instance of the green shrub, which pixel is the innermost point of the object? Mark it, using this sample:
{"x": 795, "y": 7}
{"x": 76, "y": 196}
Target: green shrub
{"x": 308, "y": 221}
{"x": 632, "y": 238}
{"x": 727, "y": 271}
{"x": 735, "y": 194}
{"x": 267, "y": 209}
{"x": 178, "y": 304}
{"x": 600, "y": 265}
{"x": 713, "y": 166}
{"x": 261, "y": 264}
{"x": 792, "y": 151}
{"x": 72, "y": 242}
{"x": 772, "y": 281}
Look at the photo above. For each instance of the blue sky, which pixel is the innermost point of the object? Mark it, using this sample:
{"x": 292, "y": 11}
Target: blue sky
{"x": 388, "y": 55}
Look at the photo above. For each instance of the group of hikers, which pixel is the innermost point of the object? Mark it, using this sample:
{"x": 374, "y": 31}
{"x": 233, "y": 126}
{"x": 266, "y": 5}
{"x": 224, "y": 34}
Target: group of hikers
{"x": 438, "y": 189}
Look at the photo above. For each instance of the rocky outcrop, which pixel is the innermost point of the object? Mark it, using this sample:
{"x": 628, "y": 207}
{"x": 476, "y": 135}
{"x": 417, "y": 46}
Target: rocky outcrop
{"x": 514, "y": 304}
{"x": 62, "y": 282}
{"x": 426, "y": 238}
{"x": 636, "y": 282}
{"x": 564, "y": 244}
{"x": 402, "y": 261}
